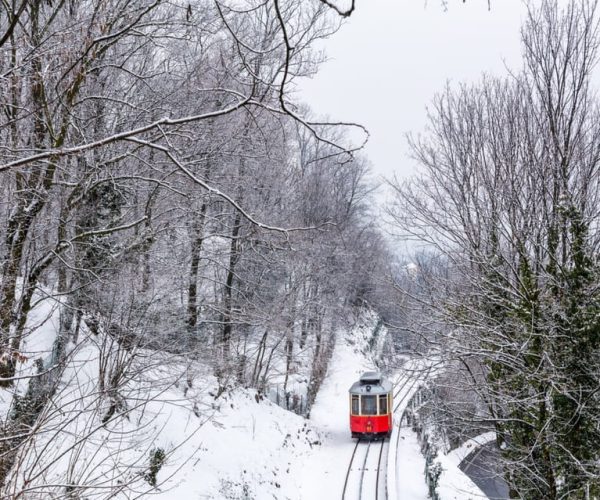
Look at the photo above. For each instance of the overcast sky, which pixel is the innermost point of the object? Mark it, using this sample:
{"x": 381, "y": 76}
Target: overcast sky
{"x": 387, "y": 62}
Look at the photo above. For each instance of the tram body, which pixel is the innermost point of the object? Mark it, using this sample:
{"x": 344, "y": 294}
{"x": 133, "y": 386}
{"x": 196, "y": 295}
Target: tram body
{"x": 371, "y": 406}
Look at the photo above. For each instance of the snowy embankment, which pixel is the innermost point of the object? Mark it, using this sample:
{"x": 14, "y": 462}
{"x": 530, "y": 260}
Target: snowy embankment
{"x": 406, "y": 478}
{"x": 408, "y": 475}
{"x": 454, "y": 484}
{"x": 247, "y": 449}
{"x": 164, "y": 425}
{"x": 118, "y": 438}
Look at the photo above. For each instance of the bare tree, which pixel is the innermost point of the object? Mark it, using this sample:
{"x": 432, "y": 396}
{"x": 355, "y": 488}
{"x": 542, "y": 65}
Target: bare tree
{"x": 162, "y": 189}
{"x": 509, "y": 196}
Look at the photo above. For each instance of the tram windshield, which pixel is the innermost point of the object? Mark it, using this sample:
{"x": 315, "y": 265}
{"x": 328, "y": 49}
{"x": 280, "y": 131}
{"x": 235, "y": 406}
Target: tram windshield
{"x": 383, "y": 404}
{"x": 355, "y": 404}
{"x": 369, "y": 405}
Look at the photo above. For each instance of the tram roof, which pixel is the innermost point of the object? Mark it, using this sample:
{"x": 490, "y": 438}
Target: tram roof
{"x": 370, "y": 378}
{"x": 371, "y": 383}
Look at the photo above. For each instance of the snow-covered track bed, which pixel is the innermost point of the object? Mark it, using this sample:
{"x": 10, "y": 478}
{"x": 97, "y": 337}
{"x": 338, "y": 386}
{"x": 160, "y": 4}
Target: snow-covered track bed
{"x": 404, "y": 389}
{"x": 400, "y": 402}
{"x": 365, "y": 476}
{"x": 401, "y": 392}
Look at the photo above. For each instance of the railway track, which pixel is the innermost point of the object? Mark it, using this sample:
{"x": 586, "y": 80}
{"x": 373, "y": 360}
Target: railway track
{"x": 406, "y": 394}
{"x": 415, "y": 379}
{"x": 365, "y": 476}
{"x": 364, "y": 480}
{"x": 400, "y": 388}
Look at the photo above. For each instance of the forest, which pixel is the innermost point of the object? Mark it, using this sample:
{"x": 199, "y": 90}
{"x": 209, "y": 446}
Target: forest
{"x": 508, "y": 200}
{"x": 166, "y": 197}
{"x": 162, "y": 188}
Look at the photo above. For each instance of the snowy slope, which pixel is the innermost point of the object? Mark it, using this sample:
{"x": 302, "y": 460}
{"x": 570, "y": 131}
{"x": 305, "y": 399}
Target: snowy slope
{"x": 246, "y": 450}
{"x": 454, "y": 484}
{"x": 236, "y": 446}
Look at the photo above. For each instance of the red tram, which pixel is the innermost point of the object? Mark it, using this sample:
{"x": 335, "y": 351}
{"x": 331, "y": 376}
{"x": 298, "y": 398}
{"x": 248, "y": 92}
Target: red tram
{"x": 371, "y": 406}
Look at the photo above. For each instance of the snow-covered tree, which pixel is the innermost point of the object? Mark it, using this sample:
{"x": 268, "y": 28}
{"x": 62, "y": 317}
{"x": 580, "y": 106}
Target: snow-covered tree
{"x": 509, "y": 196}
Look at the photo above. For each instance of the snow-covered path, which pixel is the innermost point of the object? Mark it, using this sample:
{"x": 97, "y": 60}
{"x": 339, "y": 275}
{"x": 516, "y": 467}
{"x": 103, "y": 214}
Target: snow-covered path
{"x": 324, "y": 471}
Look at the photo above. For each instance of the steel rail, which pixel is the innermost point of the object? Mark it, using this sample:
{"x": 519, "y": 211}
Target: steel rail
{"x": 414, "y": 382}
{"x": 399, "y": 389}
{"x": 362, "y": 472}
{"x": 349, "y": 469}
{"x": 378, "y": 469}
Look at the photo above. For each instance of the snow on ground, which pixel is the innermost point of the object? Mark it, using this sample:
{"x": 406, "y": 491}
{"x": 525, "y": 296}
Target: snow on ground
{"x": 42, "y": 325}
{"x": 237, "y": 446}
{"x": 410, "y": 467}
{"x": 323, "y": 474}
{"x": 406, "y": 479}
{"x": 245, "y": 451}
{"x": 39, "y": 335}
{"x": 454, "y": 484}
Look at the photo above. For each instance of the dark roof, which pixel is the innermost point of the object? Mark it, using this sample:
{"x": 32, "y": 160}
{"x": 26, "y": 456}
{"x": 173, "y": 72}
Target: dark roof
{"x": 371, "y": 383}
{"x": 370, "y": 378}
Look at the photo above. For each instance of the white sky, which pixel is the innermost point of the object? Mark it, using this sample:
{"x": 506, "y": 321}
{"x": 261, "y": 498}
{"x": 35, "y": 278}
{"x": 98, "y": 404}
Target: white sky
{"x": 387, "y": 62}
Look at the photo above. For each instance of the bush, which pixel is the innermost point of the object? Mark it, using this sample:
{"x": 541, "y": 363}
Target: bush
{"x": 157, "y": 460}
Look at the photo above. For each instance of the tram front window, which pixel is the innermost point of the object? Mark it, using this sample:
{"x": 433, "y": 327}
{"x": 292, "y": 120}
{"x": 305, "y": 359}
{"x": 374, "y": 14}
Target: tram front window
{"x": 354, "y": 404}
{"x": 369, "y": 405}
{"x": 383, "y": 404}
